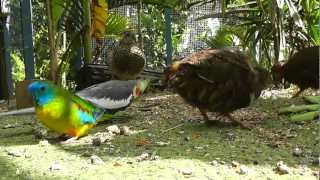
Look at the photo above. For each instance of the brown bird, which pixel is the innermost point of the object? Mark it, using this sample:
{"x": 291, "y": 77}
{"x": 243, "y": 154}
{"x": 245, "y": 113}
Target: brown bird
{"x": 127, "y": 59}
{"x": 302, "y": 69}
{"x": 217, "y": 80}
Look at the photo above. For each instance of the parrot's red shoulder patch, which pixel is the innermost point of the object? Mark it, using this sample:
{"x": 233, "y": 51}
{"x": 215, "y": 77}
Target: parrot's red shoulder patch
{"x": 81, "y": 108}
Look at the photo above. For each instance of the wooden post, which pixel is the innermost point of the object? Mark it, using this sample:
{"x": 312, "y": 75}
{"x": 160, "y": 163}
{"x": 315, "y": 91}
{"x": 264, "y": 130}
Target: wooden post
{"x": 140, "y": 41}
{"x": 52, "y": 44}
{"x": 26, "y": 24}
{"x": 87, "y": 34}
{"x": 6, "y": 86}
{"x": 168, "y": 35}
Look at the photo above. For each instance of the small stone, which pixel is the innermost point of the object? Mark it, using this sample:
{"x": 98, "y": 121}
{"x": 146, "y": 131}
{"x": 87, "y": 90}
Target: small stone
{"x": 234, "y": 164}
{"x": 125, "y": 130}
{"x": 282, "y": 168}
{"x": 199, "y": 147}
{"x": 181, "y": 132}
{"x": 214, "y": 163}
{"x": 187, "y": 138}
{"x": 15, "y": 153}
{"x": 230, "y": 136}
{"x": 297, "y": 152}
{"x": 154, "y": 158}
{"x": 96, "y": 160}
{"x": 160, "y": 143}
{"x": 18, "y": 171}
{"x": 113, "y": 129}
{"x": 144, "y": 156}
{"x": 96, "y": 141}
{"x": 243, "y": 170}
{"x": 55, "y": 167}
{"x": 44, "y": 143}
{"x": 40, "y": 133}
{"x": 222, "y": 162}
{"x": 304, "y": 169}
{"x": 9, "y": 126}
{"x": 186, "y": 171}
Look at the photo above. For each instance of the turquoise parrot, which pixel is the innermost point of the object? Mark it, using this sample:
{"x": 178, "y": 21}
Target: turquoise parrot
{"x": 75, "y": 115}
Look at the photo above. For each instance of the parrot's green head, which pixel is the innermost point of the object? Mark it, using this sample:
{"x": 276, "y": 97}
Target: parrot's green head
{"x": 42, "y": 92}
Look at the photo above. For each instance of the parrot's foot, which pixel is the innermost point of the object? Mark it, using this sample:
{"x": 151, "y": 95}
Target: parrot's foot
{"x": 69, "y": 141}
{"x": 63, "y": 137}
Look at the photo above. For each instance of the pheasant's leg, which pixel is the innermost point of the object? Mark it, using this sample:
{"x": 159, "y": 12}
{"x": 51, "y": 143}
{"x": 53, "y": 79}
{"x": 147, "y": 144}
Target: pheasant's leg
{"x": 63, "y": 137}
{"x": 206, "y": 118}
{"x": 242, "y": 124}
{"x": 204, "y": 114}
{"x": 297, "y": 94}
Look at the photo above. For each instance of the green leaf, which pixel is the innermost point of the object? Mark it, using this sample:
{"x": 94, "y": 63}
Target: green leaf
{"x": 57, "y": 8}
{"x": 115, "y": 24}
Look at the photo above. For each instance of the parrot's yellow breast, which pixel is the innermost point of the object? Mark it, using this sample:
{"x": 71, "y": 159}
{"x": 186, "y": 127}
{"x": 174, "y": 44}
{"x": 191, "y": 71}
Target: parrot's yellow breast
{"x": 60, "y": 119}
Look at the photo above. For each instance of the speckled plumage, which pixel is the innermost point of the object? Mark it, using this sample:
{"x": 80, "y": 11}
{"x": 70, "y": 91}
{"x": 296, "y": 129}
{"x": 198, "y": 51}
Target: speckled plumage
{"x": 127, "y": 60}
{"x": 216, "y": 80}
{"x": 301, "y": 69}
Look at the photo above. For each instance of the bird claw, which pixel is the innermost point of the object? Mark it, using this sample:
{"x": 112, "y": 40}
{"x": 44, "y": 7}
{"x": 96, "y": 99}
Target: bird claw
{"x": 211, "y": 122}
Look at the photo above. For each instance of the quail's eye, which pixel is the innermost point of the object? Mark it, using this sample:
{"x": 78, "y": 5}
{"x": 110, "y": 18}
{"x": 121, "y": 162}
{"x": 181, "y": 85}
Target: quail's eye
{"x": 42, "y": 88}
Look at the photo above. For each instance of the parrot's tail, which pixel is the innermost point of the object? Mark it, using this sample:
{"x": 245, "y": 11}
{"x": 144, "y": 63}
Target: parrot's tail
{"x": 106, "y": 116}
{"x": 141, "y": 87}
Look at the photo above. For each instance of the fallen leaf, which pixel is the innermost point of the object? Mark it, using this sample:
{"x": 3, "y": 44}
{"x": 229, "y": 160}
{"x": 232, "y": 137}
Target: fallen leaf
{"x": 143, "y": 142}
{"x": 195, "y": 136}
{"x": 116, "y": 164}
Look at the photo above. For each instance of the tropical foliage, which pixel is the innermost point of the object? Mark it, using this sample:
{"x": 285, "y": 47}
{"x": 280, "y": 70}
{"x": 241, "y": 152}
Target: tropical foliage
{"x": 268, "y": 28}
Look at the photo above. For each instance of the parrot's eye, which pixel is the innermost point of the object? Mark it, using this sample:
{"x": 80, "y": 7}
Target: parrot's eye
{"x": 42, "y": 88}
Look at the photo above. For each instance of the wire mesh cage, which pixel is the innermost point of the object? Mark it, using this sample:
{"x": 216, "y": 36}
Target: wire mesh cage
{"x": 186, "y": 32}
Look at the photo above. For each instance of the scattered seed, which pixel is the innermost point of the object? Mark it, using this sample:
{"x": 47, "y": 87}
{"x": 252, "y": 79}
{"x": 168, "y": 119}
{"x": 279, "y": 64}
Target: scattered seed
{"x": 44, "y": 143}
{"x": 15, "y": 153}
{"x": 297, "y": 152}
{"x": 234, "y": 164}
{"x": 186, "y": 171}
{"x": 243, "y": 170}
{"x": 96, "y": 160}
{"x": 55, "y": 166}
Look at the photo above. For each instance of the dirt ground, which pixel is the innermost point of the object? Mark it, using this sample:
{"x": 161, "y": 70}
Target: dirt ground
{"x": 166, "y": 140}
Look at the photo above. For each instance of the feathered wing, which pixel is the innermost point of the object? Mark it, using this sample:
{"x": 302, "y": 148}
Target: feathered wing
{"x": 111, "y": 95}
{"x": 86, "y": 112}
{"x": 213, "y": 66}
{"x": 223, "y": 76}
